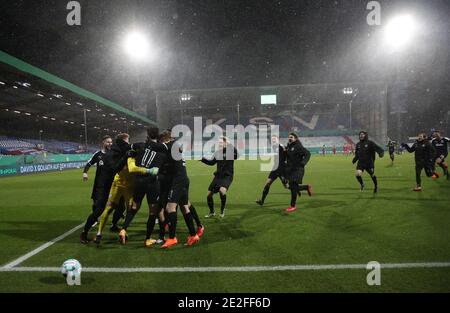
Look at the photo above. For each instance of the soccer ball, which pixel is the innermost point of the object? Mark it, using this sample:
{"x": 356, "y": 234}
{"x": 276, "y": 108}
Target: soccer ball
{"x": 72, "y": 266}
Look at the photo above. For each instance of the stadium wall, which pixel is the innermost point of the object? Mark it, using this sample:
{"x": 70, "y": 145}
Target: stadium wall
{"x": 20, "y": 165}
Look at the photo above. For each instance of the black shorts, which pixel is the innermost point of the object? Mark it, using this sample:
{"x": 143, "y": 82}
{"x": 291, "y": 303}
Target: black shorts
{"x": 296, "y": 175}
{"x": 370, "y": 168}
{"x": 146, "y": 186}
{"x": 179, "y": 193}
{"x": 273, "y": 175}
{"x": 428, "y": 168}
{"x": 219, "y": 182}
{"x": 165, "y": 184}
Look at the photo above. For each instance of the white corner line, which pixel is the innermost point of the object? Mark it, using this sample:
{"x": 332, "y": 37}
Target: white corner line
{"x": 39, "y": 249}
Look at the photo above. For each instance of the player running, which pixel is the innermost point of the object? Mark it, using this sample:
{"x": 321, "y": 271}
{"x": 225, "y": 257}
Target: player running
{"x": 365, "y": 156}
{"x": 391, "y": 147}
{"x": 297, "y": 157}
{"x": 278, "y": 169}
{"x": 223, "y": 177}
{"x": 424, "y": 157}
{"x": 440, "y": 145}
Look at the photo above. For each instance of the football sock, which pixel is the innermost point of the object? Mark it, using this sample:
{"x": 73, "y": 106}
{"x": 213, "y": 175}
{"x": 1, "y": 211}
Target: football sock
{"x": 374, "y": 179}
{"x": 162, "y": 229}
{"x": 195, "y": 215}
{"x": 293, "y": 197}
{"x": 189, "y": 223}
{"x": 360, "y": 180}
{"x": 129, "y": 218}
{"x": 116, "y": 217}
{"x": 210, "y": 202}
{"x": 265, "y": 192}
{"x": 89, "y": 222}
{"x": 172, "y": 219}
{"x": 223, "y": 201}
{"x": 150, "y": 225}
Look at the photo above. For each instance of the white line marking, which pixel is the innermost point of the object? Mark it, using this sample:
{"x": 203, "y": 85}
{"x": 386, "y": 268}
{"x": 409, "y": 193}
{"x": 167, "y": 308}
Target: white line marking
{"x": 40, "y": 248}
{"x": 230, "y": 268}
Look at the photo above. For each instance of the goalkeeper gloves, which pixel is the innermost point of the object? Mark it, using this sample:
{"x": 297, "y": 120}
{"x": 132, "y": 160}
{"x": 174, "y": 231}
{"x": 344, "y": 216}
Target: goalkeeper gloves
{"x": 153, "y": 171}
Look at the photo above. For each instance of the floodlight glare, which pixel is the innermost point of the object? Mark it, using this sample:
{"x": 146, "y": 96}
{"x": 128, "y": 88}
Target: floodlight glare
{"x": 400, "y": 30}
{"x": 137, "y": 46}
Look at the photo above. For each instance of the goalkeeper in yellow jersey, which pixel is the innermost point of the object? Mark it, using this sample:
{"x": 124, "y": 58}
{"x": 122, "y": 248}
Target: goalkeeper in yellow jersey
{"x": 122, "y": 187}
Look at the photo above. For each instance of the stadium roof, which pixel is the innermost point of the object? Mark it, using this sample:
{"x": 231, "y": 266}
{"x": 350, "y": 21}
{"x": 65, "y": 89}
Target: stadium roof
{"x": 29, "y": 94}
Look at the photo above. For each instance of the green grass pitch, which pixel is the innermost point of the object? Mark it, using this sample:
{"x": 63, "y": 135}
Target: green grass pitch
{"x": 338, "y": 225}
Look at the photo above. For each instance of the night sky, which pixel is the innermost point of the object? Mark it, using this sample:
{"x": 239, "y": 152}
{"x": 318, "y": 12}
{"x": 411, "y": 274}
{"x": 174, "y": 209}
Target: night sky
{"x": 201, "y": 44}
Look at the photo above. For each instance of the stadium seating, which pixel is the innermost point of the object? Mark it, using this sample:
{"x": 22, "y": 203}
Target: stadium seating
{"x": 18, "y": 146}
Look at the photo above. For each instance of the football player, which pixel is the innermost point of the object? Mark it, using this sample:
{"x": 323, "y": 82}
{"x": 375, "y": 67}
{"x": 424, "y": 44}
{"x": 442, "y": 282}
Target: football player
{"x": 297, "y": 157}
{"x": 365, "y": 156}
{"x": 424, "y": 154}
{"x": 277, "y": 171}
{"x": 440, "y": 145}
{"x": 223, "y": 177}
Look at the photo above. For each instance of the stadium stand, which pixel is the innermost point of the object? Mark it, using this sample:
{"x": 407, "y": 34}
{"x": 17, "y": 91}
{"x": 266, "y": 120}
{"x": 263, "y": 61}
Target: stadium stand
{"x": 18, "y": 146}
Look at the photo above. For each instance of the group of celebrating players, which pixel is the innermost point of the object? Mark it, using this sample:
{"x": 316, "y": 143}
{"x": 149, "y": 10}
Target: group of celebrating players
{"x": 156, "y": 170}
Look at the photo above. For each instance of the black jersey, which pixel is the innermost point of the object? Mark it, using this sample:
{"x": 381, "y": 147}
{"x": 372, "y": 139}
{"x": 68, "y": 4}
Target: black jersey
{"x": 176, "y": 165}
{"x": 441, "y": 146}
{"x": 423, "y": 152}
{"x": 225, "y": 161}
{"x": 97, "y": 159}
{"x": 297, "y": 156}
{"x": 365, "y": 152}
{"x": 391, "y": 146}
{"x": 153, "y": 154}
{"x": 114, "y": 160}
{"x": 280, "y": 157}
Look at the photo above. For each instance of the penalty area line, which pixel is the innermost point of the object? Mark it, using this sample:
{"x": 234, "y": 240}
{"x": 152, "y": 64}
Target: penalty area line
{"x": 39, "y": 249}
{"x": 231, "y": 268}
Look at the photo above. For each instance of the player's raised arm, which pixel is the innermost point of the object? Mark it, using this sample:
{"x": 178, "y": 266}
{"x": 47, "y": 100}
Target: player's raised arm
{"x": 133, "y": 168}
{"x": 213, "y": 161}
{"x": 378, "y": 150}
{"x": 408, "y": 148}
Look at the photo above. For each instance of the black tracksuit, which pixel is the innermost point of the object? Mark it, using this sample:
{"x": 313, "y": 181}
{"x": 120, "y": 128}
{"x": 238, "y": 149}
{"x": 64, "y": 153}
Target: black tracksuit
{"x": 424, "y": 154}
{"x": 441, "y": 147}
{"x": 297, "y": 157}
{"x": 365, "y": 155}
{"x": 97, "y": 159}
